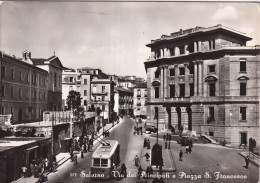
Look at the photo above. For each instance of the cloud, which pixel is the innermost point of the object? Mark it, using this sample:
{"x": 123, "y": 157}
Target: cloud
{"x": 226, "y": 13}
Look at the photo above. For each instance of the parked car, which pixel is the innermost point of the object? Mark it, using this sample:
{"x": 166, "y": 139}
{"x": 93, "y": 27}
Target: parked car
{"x": 150, "y": 130}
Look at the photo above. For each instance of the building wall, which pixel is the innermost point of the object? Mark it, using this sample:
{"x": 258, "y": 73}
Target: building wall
{"x": 139, "y": 101}
{"x": 29, "y": 94}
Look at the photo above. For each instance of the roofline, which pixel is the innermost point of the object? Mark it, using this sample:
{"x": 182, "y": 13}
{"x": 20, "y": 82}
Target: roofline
{"x": 219, "y": 27}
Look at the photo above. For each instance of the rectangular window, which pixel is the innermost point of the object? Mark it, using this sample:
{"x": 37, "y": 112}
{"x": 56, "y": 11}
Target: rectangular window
{"x": 182, "y": 71}
{"x": 27, "y": 93}
{"x": 139, "y": 93}
{"x": 3, "y": 71}
{"x": 157, "y": 74}
{"x": 242, "y": 89}
{"x": 172, "y": 72}
{"x": 40, "y": 95}
{"x": 12, "y": 110}
{"x": 212, "y": 68}
{"x": 103, "y": 107}
{"x": 12, "y": 73}
{"x": 104, "y": 162}
{"x": 242, "y": 113}
{"x": 156, "y": 92}
{"x": 182, "y": 90}
{"x": 45, "y": 96}
{"x": 96, "y": 162}
{"x": 242, "y": 65}
{"x": 35, "y": 79}
{"x": 103, "y": 98}
{"x": 20, "y": 75}
{"x": 103, "y": 89}
{"x": 32, "y": 79}
{"x": 191, "y": 89}
{"x": 211, "y": 113}
{"x": 3, "y": 91}
{"x": 20, "y": 92}
{"x": 85, "y": 92}
{"x": 212, "y": 89}
{"x": 28, "y": 78}
{"x": 85, "y": 81}
{"x": 172, "y": 91}
{"x": 12, "y": 92}
{"x": 2, "y": 110}
{"x": 71, "y": 79}
{"x": 55, "y": 79}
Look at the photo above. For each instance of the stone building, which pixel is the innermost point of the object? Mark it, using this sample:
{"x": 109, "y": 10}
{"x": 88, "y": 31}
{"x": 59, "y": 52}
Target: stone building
{"x": 29, "y": 86}
{"x": 206, "y": 80}
{"x": 79, "y": 80}
{"x": 102, "y": 97}
{"x": 139, "y": 99}
{"x": 123, "y": 101}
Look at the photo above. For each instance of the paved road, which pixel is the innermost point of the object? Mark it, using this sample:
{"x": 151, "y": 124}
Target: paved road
{"x": 205, "y": 160}
{"x": 124, "y": 134}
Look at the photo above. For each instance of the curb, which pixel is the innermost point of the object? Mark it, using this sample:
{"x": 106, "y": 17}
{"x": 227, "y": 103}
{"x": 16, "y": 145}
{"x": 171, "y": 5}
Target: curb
{"x": 252, "y": 161}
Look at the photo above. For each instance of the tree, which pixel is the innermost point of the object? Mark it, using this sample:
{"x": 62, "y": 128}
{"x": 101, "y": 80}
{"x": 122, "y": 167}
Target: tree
{"x": 73, "y": 100}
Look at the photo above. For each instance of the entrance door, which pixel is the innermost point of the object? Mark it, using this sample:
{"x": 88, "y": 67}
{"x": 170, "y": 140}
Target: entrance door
{"x": 9, "y": 170}
{"x": 243, "y": 138}
{"x": 189, "y": 118}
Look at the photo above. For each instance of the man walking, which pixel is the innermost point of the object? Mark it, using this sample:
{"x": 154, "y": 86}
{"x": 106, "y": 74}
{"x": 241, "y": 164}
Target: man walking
{"x": 247, "y": 161}
{"x": 180, "y": 155}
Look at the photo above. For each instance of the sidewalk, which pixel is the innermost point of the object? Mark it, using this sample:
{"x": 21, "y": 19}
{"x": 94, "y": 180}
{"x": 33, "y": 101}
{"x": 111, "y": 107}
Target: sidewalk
{"x": 252, "y": 158}
{"x": 63, "y": 157}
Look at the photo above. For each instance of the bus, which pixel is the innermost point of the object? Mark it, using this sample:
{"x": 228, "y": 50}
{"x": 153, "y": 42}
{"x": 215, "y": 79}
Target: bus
{"x": 104, "y": 158}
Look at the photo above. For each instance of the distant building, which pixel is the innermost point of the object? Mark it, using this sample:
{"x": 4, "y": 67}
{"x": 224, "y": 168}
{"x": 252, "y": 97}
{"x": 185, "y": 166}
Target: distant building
{"x": 123, "y": 101}
{"x": 206, "y": 80}
{"x": 102, "y": 97}
{"x": 29, "y": 86}
{"x": 139, "y": 99}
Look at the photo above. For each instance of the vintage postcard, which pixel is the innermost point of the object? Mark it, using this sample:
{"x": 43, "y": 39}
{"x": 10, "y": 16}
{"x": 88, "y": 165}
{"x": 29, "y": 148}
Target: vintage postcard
{"x": 129, "y": 91}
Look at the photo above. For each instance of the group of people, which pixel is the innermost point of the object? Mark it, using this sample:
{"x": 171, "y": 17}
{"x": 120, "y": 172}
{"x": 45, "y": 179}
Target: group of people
{"x": 83, "y": 145}
{"x": 39, "y": 167}
{"x": 167, "y": 140}
{"x": 138, "y": 130}
{"x": 147, "y": 143}
{"x": 106, "y": 133}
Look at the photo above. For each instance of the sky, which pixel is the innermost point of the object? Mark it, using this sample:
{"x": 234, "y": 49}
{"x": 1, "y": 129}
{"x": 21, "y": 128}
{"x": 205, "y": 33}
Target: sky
{"x": 112, "y": 35}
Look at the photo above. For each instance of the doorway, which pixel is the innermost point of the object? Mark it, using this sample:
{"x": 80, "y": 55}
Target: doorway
{"x": 243, "y": 138}
{"x": 168, "y": 109}
{"x": 178, "y": 110}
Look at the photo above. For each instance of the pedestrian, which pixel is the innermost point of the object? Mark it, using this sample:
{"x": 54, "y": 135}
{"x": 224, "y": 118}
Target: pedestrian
{"x": 136, "y": 159}
{"x": 75, "y": 159}
{"x": 23, "y": 169}
{"x": 140, "y": 170}
{"x": 167, "y": 136}
{"x": 164, "y": 137}
{"x": 247, "y": 161}
{"x": 147, "y": 172}
{"x": 180, "y": 155}
{"x": 187, "y": 149}
{"x": 147, "y": 156}
{"x": 170, "y": 137}
{"x": 151, "y": 170}
{"x": 71, "y": 154}
{"x": 145, "y": 142}
{"x": 123, "y": 170}
{"x": 28, "y": 172}
{"x": 82, "y": 151}
{"x": 169, "y": 145}
{"x": 165, "y": 144}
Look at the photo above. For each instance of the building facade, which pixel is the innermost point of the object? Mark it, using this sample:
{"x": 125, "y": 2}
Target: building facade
{"x": 25, "y": 90}
{"x": 123, "y": 101}
{"x": 139, "y": 99}
{"x": 206, "y": 80}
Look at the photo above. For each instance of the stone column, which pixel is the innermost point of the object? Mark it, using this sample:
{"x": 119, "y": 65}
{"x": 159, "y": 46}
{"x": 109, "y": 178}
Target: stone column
{"x": 187, "y": 87}
{"x": 174, "y": 118}
{"x": 165, "y": 52}
{"x": 199, "y": 46}
{"x": 166, "y": 81}
{"x": 186, "y": 51}
{"x": 195, "y": 78}
{"x": 184, "y": 118}
{"x": 177, "y": 90}
{"x": 161, "y": 50}
{"x": 195, "y": 47}
{"x": 162, "y": 83}
{"x": 200, "y": 78}
{"x": 177, "y": 51}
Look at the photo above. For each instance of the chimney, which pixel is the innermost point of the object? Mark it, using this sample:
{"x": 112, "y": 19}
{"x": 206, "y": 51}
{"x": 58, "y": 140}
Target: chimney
{"x": 27, "y": 57}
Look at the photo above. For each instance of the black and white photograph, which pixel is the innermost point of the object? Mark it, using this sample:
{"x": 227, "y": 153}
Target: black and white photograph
{"x": 129, "y": 91}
